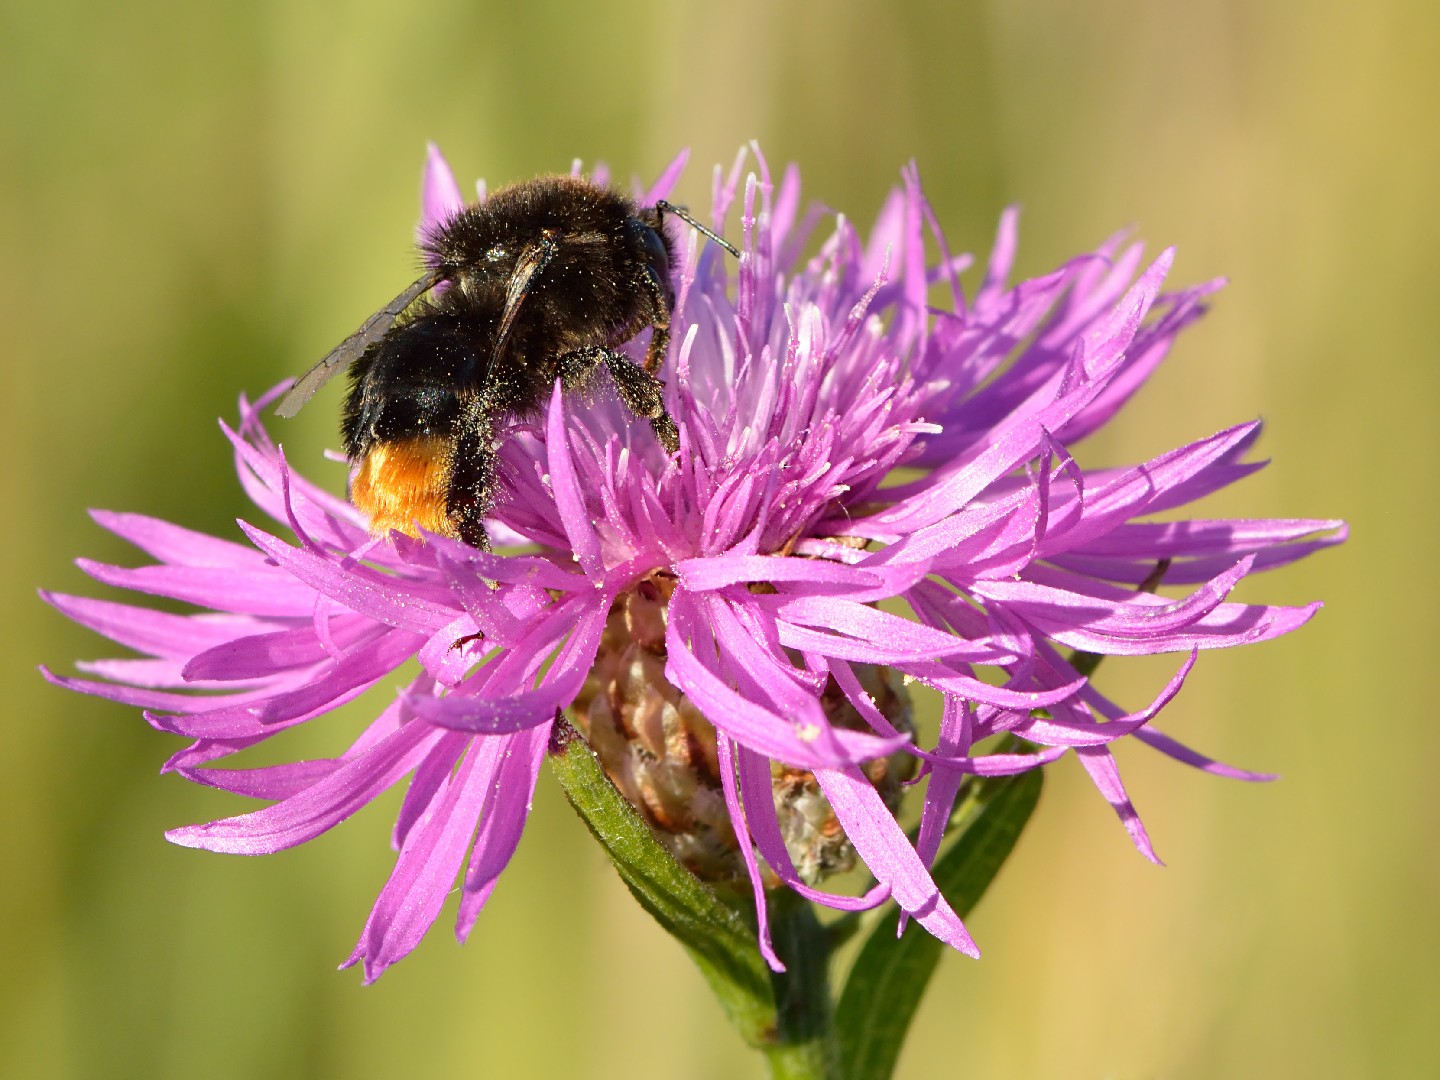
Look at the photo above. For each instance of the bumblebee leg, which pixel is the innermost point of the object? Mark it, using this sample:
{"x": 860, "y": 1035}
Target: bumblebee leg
{"x": 472, "y": 476}
{"x": 658, "y": 347}
{"x": 660, "y": 306}
{"x": 577, "y": 368}
{"x": 642, "y": 393}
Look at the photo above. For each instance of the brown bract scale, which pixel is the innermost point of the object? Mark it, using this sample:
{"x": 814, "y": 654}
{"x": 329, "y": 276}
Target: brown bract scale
{"x": 660, "y": 752}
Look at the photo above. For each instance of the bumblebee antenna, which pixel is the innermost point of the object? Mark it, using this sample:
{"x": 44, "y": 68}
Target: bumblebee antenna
{"x": 684, "y": 215}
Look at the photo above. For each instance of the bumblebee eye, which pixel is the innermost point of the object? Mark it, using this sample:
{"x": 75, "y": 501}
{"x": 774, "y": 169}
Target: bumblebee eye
{"x": 495, "y": 254}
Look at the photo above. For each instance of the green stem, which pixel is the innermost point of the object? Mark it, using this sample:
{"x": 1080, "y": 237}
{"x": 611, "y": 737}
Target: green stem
{"x": 717, "y": 939}
{"x": 1084, "y": 663}
{"x": 789, "y": 1016}
{"x": 804, "y": 1046}
{"x": 887, "y": 981}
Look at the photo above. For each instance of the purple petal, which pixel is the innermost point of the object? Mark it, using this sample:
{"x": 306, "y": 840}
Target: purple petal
{"x": 142, "y": 698}
{"x": 511, "y": 788}
{"x": 1062, "y": 732}
{"x": 471, "y": 569}
{"x": 397, "y": 603}
{"x": 955, "y": 491}
{"x": 257, "y": 655}
{"x": 271, "y": 782}
{"x": 440, "y": 197}
{"x": 665, "y": 183}
{"x": 1149, "y": 349}
{"x": 1128, "y": 553}
{"x": 1106, "y": 610}
{"x": 318, "y": 808}
{"x": 749, "y": 723}
{"x": 498, "y": 709}
{"x": 156, "y": 633}
{"x": 984, "y": 765}
{"x": 326, "y": 520}
{"x": 1111, "y": 501}
{"x": 260, "y": 590}
{"x": 875, "y": 636}
{"x": 169, "y": 543}
{"x": 1095, "y": 617}
{"x": 333, "y": 684}
{"x": 161, "y": 674}
{"x": 1002, "y": 258}
{"x": 1100, "y": 764}
{"x": 757, "y": 794}
{"x": 574, "y": 516}
{"x": 726, "y": 750}
{"x": 883, "y": 846}
{"x": 1180, "y": 752}
{"x": 425, "y": 871}
{"x": 956, "y": 736}
{"x": 429, "y": 780}
{"x": 1005, "y": 697}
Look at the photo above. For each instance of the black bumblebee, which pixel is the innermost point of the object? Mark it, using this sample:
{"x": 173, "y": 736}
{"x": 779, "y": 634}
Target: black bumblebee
{"x": 545, "y": 278}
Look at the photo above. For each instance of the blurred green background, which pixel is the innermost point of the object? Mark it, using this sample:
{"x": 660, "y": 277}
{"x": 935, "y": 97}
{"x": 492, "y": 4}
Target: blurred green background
{"x": 196, "y": 200}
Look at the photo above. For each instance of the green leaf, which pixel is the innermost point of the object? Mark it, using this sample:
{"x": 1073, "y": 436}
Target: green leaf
{"x": 889, "y": 977}
{"x": 716, "y": 937}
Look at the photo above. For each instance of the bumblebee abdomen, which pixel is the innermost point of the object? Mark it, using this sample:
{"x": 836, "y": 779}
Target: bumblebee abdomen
{"x": 403, "y": 485}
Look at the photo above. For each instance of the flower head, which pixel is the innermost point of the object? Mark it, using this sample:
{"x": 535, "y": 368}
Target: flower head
{"x": 725, "y": 602}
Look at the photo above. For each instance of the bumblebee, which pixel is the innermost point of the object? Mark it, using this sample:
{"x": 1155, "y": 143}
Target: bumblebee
{"x": 545, "y": 278}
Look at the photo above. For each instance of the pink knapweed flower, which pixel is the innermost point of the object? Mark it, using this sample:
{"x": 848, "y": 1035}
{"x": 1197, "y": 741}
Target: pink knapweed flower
{"x": 799, "y": 384}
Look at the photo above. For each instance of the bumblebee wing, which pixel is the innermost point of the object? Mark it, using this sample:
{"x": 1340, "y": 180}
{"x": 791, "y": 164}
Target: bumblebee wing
{"x": 349, "y": 350}
{"x": 531, "y": 261}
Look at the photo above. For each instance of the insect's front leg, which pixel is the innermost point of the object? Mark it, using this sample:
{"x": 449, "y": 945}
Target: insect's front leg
{"x": 642, "y": 393}
{"x": 659, "y": 323}
{"x": 656, "y": 350}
